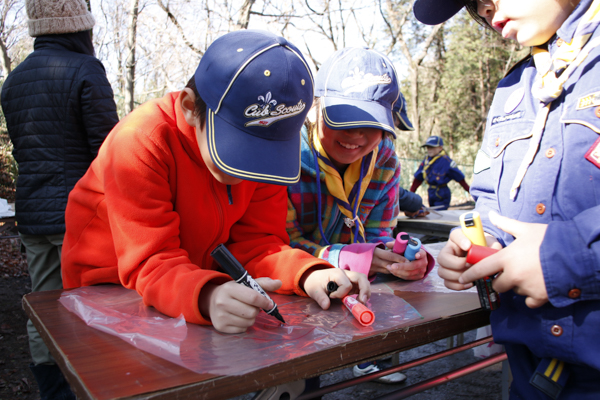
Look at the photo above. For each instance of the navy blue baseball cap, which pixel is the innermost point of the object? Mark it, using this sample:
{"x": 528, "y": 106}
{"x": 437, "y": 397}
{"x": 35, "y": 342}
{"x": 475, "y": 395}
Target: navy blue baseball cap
{"x": 399, "y": 111}
{"x": 433, "y": 141}
{"x": 258, "y": 89}
{"x": 358, "y": 88}
{"x": 434, "y": 12}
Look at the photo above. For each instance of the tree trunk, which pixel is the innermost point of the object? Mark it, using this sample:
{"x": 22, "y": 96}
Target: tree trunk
{"x": 6, "y": 63}
{"x": 244, "y": 19}
{"x": 130, "y": 63}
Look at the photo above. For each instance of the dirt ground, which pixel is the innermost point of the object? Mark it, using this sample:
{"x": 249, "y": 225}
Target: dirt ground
{"x": 17, "y": 382}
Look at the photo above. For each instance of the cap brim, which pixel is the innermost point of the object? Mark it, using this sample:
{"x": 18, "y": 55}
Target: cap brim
{"x": 344, "y": 113}
{"x": 435, "y": 12}
{"x": 405, "y": 124}
{"x": 249, "y": 157}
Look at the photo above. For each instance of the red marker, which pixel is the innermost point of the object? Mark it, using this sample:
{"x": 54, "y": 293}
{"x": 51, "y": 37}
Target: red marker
{"x": 477, "y": 253}
{"x": 359, "y": 310}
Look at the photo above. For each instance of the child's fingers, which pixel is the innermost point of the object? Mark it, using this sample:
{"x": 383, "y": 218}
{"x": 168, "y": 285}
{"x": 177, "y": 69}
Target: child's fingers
{"x": 452, "y": 257}
{"x": 486, "y": 267}
{"x": 252, "y": 297}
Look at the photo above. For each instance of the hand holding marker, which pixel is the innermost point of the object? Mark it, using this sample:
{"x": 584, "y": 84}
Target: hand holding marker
{"x": 359, "y": 310}
{"x": 471, "y": 227}
{"x": 406, "y": 246}
{"x": 234, "y": 269}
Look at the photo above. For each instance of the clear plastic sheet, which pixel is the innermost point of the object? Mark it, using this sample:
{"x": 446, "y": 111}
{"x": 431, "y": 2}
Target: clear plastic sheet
{"x": 431, "y": 283}
{"x": 121, "y": 312}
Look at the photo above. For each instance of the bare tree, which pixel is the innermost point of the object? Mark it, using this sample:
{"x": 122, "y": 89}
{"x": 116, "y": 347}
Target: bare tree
{"x": 10, "y": 31}
{"x": 130, "y": 51}
{"x": 395, "y": 17}
{"x": 244, "y": 18}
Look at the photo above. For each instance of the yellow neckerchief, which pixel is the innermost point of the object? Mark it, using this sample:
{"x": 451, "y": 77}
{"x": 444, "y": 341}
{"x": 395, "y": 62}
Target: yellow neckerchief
{"x": 344, "y": 191}
{"x": 427, "y": 164}
{"x": 547, "y": 86}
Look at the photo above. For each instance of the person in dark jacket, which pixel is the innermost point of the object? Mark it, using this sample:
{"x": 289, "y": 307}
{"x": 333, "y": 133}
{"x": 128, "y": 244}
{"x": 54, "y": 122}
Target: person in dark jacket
{"x": 59, "y": 107}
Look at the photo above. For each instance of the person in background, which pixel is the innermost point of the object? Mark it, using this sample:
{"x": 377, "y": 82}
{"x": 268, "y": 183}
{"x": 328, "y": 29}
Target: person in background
{"x": 345, "y": 206}
{"x": 537, "y": 190}
{"x": 437, "y": 169}
{"x": 194, "y": 169}
{"x": 59, "y": 108}
{"x": 410, "y": 203}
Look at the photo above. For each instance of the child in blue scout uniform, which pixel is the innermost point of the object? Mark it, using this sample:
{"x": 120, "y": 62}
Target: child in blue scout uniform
{"x": 437, "y": 169}
{"x": 539, "y": 167}
{"x": 348, "y": 215}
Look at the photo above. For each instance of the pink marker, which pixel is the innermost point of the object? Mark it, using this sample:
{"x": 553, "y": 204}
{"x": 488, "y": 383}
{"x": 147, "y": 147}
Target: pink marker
{"x": 401, "y": 242}
{"x": 359, "y": 310}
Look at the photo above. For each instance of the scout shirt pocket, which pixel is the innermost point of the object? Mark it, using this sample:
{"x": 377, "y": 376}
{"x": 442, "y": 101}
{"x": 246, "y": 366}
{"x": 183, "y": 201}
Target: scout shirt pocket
{"x": 506, "y": 145}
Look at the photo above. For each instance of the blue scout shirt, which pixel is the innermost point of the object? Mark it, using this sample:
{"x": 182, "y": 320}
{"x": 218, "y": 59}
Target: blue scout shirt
{"x": 442, "y": 171}
{"x": 562, "y": 189}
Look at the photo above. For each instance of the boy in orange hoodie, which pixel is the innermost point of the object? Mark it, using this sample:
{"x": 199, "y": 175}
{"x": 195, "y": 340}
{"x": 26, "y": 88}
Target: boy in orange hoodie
{"x": 204, "y": 166}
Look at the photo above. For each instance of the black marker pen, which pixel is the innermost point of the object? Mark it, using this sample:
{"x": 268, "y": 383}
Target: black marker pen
{"x": 234, "y": 269}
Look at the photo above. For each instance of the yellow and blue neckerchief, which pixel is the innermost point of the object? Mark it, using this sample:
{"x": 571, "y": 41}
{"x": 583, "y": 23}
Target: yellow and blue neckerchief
{"x": 427, "y": 164}
{"x": 347, "y": 192}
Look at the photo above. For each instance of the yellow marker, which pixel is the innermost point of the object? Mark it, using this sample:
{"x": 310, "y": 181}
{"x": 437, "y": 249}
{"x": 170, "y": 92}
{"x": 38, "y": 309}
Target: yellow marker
{"x": 471, "y": 226}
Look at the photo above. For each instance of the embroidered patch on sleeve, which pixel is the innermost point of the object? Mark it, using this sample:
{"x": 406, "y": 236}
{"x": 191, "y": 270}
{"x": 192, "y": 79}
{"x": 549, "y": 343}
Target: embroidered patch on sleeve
{"x": 593, "y": 154}
{"x": 591, "y": 100}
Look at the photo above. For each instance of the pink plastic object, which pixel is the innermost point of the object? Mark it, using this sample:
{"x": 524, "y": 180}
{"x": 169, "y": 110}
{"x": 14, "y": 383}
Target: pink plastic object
{"x": 477, "y": 253}
{"x": 359, "y": 310}
{"x": 401, "y": 242}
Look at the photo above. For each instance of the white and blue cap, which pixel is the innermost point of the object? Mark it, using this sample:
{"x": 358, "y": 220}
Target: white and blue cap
{"x": 433, "y": 141}
{"x": 358, "y": 88}
{"x": 258, "y": 89}
{"x": 399, "y": 111}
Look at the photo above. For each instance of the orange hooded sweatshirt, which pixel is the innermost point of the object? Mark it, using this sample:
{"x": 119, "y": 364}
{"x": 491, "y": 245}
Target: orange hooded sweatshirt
{"x": 148, "y": 213}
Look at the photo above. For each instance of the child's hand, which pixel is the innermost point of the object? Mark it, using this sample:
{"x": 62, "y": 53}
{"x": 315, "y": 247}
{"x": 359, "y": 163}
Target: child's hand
{"x": 452, "y": 259}
{"x": 234, "y": 307}
{"x": 518, "y": 265}
{"x": 388, "y": 262}
{"x": 349, "y": 282}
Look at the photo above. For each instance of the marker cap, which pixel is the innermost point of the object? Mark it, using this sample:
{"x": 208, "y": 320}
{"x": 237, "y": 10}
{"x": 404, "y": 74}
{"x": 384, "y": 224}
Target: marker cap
{"x": 477, "y": 253}
{"x": 362, "y": 314}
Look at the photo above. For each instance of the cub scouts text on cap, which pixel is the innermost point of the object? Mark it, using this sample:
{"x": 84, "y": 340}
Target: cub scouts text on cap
{"x": 258, "y": 89}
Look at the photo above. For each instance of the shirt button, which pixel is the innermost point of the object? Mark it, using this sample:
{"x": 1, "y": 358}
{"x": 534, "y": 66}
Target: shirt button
{"x": 498, "y": 139}
{"x": 550, "y": 152}
{"x": 560, "y": 42}
{"x": 556, "y": 330}
{"x": 597, "y": 112}
{"x": 574, "y": 293}
{"x": 540, "y": 208}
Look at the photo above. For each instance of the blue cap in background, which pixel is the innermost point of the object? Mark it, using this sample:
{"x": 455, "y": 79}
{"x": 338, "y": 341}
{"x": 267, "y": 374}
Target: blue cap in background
{"x": 433, "y": 141}
{"x": 358, "y": 87}
{"x": 258, "y": 89}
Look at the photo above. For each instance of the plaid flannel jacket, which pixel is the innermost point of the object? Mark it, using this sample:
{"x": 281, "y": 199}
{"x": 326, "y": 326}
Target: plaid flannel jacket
{"x": 378, "y": 210}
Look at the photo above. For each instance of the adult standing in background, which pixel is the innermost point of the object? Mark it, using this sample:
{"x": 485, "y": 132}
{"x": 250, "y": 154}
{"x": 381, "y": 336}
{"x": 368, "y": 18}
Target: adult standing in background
{"x": 59, "y": 107}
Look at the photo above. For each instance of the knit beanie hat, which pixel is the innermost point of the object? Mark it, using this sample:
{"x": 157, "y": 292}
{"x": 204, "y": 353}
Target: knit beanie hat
{"x": 53, "y": 17}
